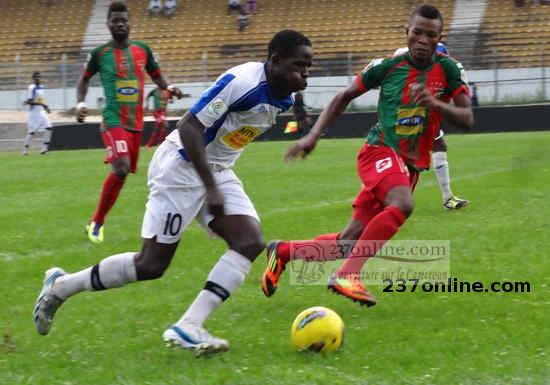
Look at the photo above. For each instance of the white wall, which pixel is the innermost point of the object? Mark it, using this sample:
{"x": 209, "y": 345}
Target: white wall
{"x": 321, "y": 90}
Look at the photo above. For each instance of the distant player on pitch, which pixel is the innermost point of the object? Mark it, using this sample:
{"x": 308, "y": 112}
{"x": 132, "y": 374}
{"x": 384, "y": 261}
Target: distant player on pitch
{"x": 161, "y": 98}
{"x": 122, "y": 64}
{"x": 38, "y": 120}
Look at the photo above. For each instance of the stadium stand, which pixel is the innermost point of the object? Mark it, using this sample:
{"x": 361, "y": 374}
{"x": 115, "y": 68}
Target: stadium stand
{"x": 41, "y": 31}
{"x": 514, "y": 36}
{"x": 191, "y": 49}
{"x": 201, "y": 40}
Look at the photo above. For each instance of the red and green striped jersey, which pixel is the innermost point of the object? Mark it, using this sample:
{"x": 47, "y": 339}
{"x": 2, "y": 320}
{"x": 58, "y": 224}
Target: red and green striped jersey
{"x": 122, "y": 72}
{"x": 408, "y": 128}
{"x": 160, "y": 98}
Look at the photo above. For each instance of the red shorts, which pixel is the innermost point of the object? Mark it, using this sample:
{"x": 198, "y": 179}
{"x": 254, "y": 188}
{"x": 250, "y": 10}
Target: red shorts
{"x": 160, "y": 118}
{"x": 380, "y": 169}
{"x": 121, "y": 143}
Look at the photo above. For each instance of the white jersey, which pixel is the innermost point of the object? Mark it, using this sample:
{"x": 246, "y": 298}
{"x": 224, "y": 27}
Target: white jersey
{"x": 36, "y": 94}
{"x": 38, "y": 119}
{"x": 234, "y": 111}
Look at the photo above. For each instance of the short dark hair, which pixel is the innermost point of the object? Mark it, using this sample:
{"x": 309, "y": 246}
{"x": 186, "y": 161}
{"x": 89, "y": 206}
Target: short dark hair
{"x": 117, "y": 6}
{"x": 284, "y": 42}
{"x": 429, "y": 12}
{"x": 35, "y": 74}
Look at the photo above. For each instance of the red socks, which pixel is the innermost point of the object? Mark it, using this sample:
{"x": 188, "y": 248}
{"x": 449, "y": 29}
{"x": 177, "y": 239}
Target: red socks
{"x": 153, "y": 139}
{"x": 111, "y": 188}
{"x": 380, "y": 229}
{"x": 162, "y": 135}
{"x": 310, "y": 250}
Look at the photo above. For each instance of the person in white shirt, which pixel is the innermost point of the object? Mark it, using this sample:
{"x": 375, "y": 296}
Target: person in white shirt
{"x": 191, "y": 177}
{"x": 234, "y": 5}
{"x": 169, "y": 8}
{"x": 38, "y": 121}
{"x": 155, "y": 7}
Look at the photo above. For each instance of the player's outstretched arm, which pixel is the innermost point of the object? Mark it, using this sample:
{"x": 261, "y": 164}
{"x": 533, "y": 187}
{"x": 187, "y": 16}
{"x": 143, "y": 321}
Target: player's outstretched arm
{"x": 163, "y": 85}
{"x": 334, "y": 109}
{"x": 191, "y": 132}
{"x": 81, "y": 92}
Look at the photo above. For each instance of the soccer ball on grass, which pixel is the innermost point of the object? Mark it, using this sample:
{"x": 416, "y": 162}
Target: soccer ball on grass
{"x": 318, "y": 329}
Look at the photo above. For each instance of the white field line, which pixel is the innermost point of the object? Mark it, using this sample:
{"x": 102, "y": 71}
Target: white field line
{"x": 422, "y": 186}
{"x": 10, "y": 257}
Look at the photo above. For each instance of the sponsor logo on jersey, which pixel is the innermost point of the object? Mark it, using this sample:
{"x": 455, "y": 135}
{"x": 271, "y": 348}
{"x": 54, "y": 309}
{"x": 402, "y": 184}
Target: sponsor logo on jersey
{"x": 127, "y": 91}
{"x": 241, "y": 137}
{"x": 410, "y": 121}
{"x": 437, "y": 88}
{"x": 383, "y": 164}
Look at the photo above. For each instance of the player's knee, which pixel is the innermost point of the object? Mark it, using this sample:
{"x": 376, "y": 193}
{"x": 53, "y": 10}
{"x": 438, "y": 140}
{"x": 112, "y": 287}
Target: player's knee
{"x": 400, "y": 197}
{"x": 439, "y": 145}
{"x": 352, "y": 231}
{"x": 406, "y": 206}
{"x": 121, "y": 171}
{"x": 250, "y": 247}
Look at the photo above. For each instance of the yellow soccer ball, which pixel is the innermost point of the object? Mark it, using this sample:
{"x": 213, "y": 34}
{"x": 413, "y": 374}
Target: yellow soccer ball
{"x": 318, "y": 329}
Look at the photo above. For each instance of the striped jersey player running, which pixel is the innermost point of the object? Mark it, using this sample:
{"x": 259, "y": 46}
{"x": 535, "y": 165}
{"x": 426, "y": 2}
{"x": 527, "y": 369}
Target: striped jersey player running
{"x": 415, "y": 93}
{"x": 440, "y": 163}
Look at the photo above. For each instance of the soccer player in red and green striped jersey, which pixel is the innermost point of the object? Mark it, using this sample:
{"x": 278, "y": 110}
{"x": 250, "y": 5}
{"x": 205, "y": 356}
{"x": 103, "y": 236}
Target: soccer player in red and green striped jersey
{"x": 161, "y": 98}
{"x": 122, "y": 64}
{"x": 415, "y": 93}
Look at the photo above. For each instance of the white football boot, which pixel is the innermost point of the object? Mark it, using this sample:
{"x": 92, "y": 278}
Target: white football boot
{"x": 47, "y": 302}
{"x": 195, "y": 338}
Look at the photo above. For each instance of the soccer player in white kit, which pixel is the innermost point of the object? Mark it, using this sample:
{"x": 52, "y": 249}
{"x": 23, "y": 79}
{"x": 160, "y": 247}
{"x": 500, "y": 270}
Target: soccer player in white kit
{"x": 191, "y": 177}
{"x": 38, "y": 119}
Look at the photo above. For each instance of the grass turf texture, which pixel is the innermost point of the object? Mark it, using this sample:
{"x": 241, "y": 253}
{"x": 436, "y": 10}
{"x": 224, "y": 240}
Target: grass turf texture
{"x": 114, "y": 337}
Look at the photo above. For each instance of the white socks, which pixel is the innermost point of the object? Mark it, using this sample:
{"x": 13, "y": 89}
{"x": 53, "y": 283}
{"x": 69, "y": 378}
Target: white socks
{"x": 46, "y": 142}
{"x": 114, "y": 271}
{"x": 441, "y": 168}
{"x": 47, "y": 138}
{"x": 226, "y": 276}
{"x": 28, "y": 140}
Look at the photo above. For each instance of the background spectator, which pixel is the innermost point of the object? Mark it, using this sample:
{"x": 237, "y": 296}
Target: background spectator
{"x": 169, "y": 8}
{"x": 234, "y": 5}
{"x": 242, "y": 20}
{"x": 251, "y": 6}
{"x": 155, "y": 7}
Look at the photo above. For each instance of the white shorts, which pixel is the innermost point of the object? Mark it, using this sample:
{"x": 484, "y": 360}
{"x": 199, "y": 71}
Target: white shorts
{"x": 176, "y": 196}
{"x": 38, "y": 122}
{"x": 440, "y": 135}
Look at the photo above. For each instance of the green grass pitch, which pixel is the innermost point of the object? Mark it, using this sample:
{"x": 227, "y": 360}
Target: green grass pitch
{"x": 114, "y": 337}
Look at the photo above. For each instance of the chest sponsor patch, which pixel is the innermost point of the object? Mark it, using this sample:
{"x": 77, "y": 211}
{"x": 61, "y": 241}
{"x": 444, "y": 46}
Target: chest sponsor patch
{"x": 410, "y": 121}
{"x": 127, "y": 91}
{"x": 241, "y": 137}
